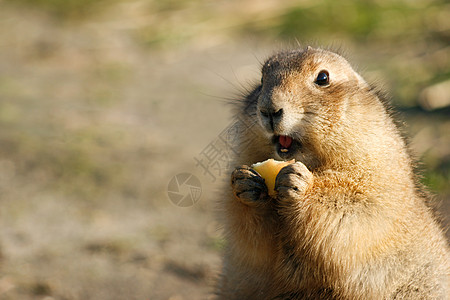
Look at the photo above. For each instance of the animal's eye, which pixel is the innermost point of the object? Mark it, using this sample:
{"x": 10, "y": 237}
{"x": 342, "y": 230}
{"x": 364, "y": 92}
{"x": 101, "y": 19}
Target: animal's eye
{"x": 323, "y": 78}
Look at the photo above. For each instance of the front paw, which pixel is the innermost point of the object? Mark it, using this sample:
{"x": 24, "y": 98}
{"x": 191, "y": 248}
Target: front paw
{"x": 293, "y": 180}
{"x": 248, "y": 186}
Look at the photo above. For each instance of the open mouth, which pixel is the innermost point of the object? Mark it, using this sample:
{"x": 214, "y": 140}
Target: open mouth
{"x": 286, "y": 146}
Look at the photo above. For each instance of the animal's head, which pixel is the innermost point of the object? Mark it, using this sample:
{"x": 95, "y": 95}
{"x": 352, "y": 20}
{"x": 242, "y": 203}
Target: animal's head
{"x": 303, "y": 98}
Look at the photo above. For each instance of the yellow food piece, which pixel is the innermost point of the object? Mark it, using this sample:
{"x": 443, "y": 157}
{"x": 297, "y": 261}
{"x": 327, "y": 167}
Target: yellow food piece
{"x": 269, "y": 170}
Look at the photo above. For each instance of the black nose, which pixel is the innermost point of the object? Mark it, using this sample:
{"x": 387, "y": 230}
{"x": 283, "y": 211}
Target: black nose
{"x": 272, "y": 115}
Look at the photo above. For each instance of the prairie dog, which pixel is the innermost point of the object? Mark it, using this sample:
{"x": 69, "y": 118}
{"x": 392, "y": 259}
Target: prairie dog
{"x": 348, "y": 220}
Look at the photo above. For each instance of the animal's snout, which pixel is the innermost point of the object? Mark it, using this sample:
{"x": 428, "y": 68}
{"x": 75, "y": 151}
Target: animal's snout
{"x": 271, "y": 116}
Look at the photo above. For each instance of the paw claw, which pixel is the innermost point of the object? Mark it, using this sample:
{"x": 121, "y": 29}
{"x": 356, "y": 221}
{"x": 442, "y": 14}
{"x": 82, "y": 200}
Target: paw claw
{"x": 293, "y": 180}
{"x": 248, "y": 186}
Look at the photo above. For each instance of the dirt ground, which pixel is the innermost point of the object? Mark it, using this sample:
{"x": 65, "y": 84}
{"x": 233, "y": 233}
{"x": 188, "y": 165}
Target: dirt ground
{"x": 92, "y": 129}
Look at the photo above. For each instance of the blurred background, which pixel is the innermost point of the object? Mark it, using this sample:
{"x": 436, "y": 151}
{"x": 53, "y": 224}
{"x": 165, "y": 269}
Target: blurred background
{"x": 102, "y": 102}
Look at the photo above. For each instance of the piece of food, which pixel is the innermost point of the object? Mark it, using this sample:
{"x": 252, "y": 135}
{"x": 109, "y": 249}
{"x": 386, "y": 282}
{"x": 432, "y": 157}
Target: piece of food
{"x": 269, "y": 170}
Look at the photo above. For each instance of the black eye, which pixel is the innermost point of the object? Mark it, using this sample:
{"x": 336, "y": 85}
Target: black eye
{"x": 323, "y": 78}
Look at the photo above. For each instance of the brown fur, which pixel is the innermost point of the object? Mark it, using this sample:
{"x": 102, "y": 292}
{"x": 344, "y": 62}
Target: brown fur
{"x": 348, "y": 221}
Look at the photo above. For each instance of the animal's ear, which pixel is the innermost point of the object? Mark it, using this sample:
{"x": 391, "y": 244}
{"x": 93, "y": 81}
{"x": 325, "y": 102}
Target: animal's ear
{"x": 308, "y": 48}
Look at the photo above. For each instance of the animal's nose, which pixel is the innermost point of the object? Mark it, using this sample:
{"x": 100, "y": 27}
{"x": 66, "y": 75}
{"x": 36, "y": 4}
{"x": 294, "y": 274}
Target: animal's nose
{"x": 273, "y": 116}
